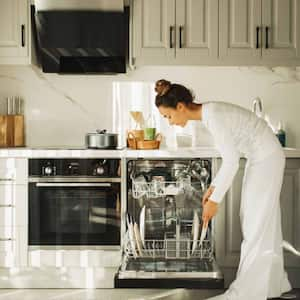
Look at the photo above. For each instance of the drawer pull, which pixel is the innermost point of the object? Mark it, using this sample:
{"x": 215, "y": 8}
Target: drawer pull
{"x": 23, "y": 35}
{"x": 267, "y": 37}
{"x": 7, "y": 205}
{"x": 6, "y": 240}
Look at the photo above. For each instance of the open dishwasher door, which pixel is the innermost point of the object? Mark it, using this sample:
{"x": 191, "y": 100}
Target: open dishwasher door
{"x": 162, "y": 245}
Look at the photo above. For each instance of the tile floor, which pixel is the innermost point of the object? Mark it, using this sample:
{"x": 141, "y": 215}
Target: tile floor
{"x": 109, "y": 294}
{"x": 105, "y": 294}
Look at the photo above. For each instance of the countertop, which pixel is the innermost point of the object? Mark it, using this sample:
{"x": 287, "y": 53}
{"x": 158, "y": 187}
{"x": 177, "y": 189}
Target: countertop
{"x": 44, "y": 152}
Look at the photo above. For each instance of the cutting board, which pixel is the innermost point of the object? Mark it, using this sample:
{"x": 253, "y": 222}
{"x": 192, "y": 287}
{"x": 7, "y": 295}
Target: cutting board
{"x": 12, "y": 131}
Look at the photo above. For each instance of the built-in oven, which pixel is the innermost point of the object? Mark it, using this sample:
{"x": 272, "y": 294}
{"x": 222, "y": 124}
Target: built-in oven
{"x": 74, "y": 202}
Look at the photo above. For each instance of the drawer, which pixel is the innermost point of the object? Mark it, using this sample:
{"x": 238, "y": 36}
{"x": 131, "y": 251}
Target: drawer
{"x": 6, "y": 246}
{"x": 6, "y": 217}
{"x": 7, "y": 259}
{"x": 7, "y": 194}
{"x": 13, "y": 170}
{"x": 6, "y": 233}
{"x": 13, "y": 203}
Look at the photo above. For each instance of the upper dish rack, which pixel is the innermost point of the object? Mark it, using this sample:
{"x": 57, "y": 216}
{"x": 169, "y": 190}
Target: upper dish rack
{"x": 158, "y": 188}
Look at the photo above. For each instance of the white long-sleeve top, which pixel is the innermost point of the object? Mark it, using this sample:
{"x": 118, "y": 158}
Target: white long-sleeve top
{"x": 235, "y": 131}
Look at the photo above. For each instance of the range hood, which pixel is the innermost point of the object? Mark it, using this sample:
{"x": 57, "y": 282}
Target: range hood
{"x": 81, "y": 37}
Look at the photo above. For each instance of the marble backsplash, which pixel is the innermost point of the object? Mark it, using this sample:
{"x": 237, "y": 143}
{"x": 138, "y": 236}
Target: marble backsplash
{"x": 61, "y": 109}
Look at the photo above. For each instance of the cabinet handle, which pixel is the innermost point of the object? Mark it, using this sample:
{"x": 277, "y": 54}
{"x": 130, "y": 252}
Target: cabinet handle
{"x": 180, "y": 36}
{"x": 257, "y": 37}
{"x": 171, "y": 36}
{"x": 8, "y": 205}
{"x": 267, "y": 37}
{"x": 6, "y": 240}
{"x": 23, "y": 35}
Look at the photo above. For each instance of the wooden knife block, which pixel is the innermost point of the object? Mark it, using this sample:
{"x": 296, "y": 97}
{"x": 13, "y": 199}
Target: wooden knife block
{"x": 12, "y": 131}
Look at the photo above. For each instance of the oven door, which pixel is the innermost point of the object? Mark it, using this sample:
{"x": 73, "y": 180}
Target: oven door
{"x": 74, "y": 213}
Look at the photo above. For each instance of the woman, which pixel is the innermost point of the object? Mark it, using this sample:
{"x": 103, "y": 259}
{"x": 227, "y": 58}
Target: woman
{"x": 236, "y": 130}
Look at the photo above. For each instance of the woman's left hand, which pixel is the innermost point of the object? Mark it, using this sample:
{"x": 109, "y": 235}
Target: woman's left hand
{"x": 210, "y": 209}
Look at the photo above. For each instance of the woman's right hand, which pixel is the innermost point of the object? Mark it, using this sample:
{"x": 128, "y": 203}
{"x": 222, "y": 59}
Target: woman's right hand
{"x": 207, "y": 194}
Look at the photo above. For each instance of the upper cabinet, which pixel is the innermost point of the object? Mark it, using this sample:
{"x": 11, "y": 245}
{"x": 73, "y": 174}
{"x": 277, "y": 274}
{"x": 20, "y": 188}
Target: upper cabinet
{"x": 197, "y": 31}
{"x": 217, "y": 32}
{"x": 154, "y": 36}
{"x": 240, "y": 29}
{"x": 14, "y": 31}
{"x": 175, "y": 31}
{"x": 281, "y": 29}
{"x": 259, "y": 31}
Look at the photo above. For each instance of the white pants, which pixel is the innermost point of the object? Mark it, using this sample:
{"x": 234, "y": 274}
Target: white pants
{"x": 261, "y": 271}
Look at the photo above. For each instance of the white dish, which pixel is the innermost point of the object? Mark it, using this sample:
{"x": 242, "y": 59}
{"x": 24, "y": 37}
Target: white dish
{"x": 195, "y": 231}
{"x": 138, "y": 239}
{"x": 142, "y": 225}
{"x": 171, "y": 190}
{"x": 131, "y": 237}
{"x": 203, "y": 235}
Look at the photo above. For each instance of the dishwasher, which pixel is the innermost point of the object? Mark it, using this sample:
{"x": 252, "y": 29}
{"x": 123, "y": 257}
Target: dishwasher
{"x": 163, "y": 245}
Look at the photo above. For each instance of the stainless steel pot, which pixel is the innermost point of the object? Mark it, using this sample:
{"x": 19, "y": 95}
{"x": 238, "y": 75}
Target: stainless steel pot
{"x": 101, "y": 140}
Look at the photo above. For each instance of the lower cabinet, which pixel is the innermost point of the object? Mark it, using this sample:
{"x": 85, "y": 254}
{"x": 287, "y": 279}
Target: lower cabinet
{"x": 13, "y": 212}
{"x": 227, "y": 222}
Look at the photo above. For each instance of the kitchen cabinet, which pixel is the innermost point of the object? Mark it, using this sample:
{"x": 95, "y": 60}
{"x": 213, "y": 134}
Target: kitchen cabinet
{"x": 175, "y": 31}
{"x": 216, "y": 32}
{"x": 14, "y": 32}
{"x": 259, "y": 31}
{"x": 227, "y": 222}
{"x": 13, "y": 212}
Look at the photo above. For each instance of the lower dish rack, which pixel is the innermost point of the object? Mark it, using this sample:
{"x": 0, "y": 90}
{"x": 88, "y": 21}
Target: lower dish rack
{"x": 168, "y": 248}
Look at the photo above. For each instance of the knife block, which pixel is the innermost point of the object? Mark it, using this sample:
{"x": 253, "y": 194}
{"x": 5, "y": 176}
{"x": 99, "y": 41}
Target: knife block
{"x": 12, "y": 131}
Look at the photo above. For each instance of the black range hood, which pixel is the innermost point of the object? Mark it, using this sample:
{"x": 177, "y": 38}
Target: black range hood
{"x": 82, "y": 42}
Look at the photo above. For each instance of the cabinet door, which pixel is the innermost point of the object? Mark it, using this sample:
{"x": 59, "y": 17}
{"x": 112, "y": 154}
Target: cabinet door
{"x": 227, "y": 222}
{"x": 240, "y": 31}
{"x": 154, "y": 31}
{"x": 13, "y": 29}
{"x": 281, "y": 28}
{"x": 290, "y": 209}
{"x": 197, "y": 31}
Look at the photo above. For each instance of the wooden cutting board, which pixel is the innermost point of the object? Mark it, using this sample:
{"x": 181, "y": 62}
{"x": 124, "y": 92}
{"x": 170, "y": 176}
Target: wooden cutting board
{"x": 12, "y": 131}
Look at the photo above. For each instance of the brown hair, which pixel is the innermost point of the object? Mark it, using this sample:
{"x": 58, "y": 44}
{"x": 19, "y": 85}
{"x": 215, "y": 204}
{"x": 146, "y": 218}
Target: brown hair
{"x": 169, "y": 95}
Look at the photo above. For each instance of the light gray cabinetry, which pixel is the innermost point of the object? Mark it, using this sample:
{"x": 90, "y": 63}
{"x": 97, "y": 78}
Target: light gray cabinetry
{"x": 280, "y": 29}
{"x": 154, "y": 31}
{"x": 175, "y": 31}
{"x": 240, "y": 30}
{"x": 290, "y": 207}
{"x": 259, "y": 31}
{"x": 13, "y": 212}
{"x": 14, "y": 32}
{"x": 227, "y": 223}
{"x": 216, "y": 32}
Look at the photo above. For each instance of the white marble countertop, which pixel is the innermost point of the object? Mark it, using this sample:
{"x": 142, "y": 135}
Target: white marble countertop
{"x": 42, "y": 152}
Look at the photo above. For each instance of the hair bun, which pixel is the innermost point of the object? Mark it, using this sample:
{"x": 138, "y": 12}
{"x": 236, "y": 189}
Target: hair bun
{"x": 162, "y": 87}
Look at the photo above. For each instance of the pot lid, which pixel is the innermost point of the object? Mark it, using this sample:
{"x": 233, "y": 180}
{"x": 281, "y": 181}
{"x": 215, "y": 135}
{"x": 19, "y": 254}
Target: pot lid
{"x": 102, "y": 132}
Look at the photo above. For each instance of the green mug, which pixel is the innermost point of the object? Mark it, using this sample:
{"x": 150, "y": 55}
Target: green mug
{"x": 149, "y": 133}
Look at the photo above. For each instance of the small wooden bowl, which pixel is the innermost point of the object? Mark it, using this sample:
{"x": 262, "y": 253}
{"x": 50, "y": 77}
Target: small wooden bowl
{"x": 134, "y": 143}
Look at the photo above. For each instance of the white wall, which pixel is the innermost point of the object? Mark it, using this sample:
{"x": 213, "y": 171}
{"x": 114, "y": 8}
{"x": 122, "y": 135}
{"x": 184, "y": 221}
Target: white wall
{"x": 61, "y": 109}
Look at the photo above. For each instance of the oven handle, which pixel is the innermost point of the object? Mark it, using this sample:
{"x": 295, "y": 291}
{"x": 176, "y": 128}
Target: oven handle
{"x": 72, "y": 184}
